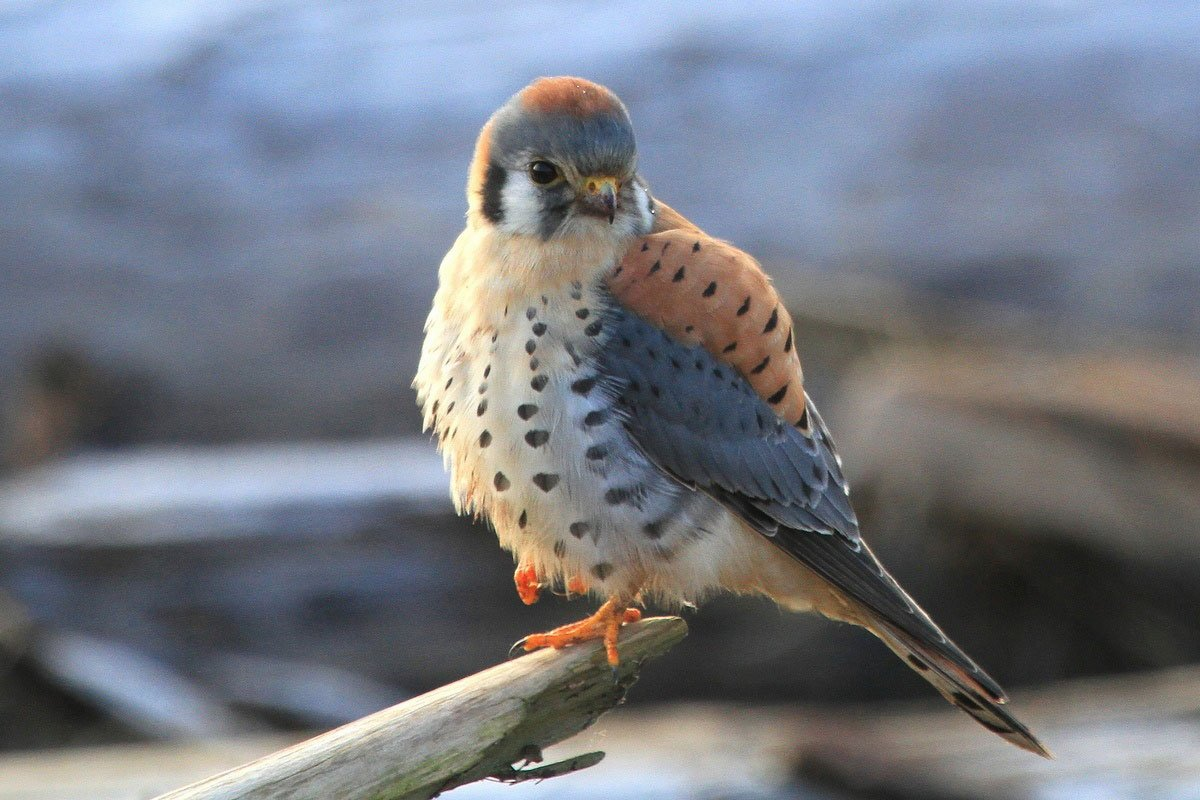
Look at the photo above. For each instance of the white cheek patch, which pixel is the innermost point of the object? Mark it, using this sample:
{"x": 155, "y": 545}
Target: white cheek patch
{"x": 645, "y": 218}
{"x": 522, "y": 205}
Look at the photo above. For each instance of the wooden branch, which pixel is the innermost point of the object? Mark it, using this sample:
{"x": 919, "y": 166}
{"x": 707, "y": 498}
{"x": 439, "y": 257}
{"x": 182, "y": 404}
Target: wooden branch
{"x": 475, "y": 728}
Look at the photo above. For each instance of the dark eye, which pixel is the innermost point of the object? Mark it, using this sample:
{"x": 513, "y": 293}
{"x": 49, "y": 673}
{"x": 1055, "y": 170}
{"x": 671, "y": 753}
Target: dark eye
{"x": 543, "y": 172}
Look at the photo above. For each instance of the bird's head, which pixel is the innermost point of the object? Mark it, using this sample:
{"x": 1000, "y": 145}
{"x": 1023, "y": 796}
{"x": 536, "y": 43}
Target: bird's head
{"x": 558, "y": 161}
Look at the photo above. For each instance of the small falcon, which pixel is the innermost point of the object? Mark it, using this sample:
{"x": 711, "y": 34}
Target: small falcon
{"x": 620, "y": 395}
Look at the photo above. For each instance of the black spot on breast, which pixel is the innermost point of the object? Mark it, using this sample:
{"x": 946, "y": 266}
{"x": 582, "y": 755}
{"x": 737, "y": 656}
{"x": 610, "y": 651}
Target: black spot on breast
{"x": 501, "y": 482}
{"x": 450, "y": 407}
{"x": 779, "y": 395}
{"x": 602, "y": 570}
{"x": 710, "y": 290}
{"x": 679, "y": 275}
{"x": 539, "y": 329}
{"x": 481, "y": 409}
{"x": 744, "y": 307}
{"x": 545, "y": 481}
{"x": 772, "y": 322}
{"x": 597, "y": 417}
{"x": 696, "y": 247}
{"x": 523, "y": 520}
{"x": 675, "y": 363}
{"x": 530, "y": 312}
{"x": 729, "y": 348}
{"x": 449, "y": 382}
{"x": 620, "y": 495}
{"x": 718, "y": 374}
{"x": 570, "y": 348}
{"x": 665, "y": 246}
{"x": 689, "y": 328}
{"x": 654, "y": 530}
{"x": 537, "y": 438}
{"x": 539, "y": 382}
{"x": 618, "y": 271}
{"x": 596, "y": 452}
{"x": 655, "y": 267}
{"x": 530, "y": 346}
{"x": 560, "y": 548}
{"x": 645, "y": 246}
{"x": 594, "y": 328}
{"x": 526, "y": 410}
{"x": 583, "y": 386}
{"x": 580, "y": 529}
{"x": 534, "y": 363}
{"x": 582, "y": 313}
{"x": 485, "y": 438}
{"x": 487, "y": 370}
{"x": 761, "y": 366}
{"x": 787, "y": 346}
{"x": 493, "y": 186}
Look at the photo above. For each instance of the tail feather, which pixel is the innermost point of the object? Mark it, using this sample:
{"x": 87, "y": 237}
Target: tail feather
{"x": 961, "y": 688}
{"x": 865, "y": 594}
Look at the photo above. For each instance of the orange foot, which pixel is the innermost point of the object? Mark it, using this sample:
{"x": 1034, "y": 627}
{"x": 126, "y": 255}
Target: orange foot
{"x": 604, "y": 624}
{"x": 529, "y": 589}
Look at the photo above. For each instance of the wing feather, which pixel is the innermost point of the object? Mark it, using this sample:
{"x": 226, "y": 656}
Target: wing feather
{"x": 713, "y": 420}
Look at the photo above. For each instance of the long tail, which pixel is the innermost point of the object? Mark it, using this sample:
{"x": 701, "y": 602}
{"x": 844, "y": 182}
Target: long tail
{"x": 982, "y": 699}
{"x": 872, "y": 598}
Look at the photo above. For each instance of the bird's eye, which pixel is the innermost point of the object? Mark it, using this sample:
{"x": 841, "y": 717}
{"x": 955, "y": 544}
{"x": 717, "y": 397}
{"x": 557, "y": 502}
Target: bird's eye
{"x": 543, "y": 172}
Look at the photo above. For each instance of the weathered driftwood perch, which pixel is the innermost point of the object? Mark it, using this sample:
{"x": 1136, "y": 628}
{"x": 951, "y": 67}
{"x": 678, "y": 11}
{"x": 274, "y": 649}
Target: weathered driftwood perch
{"x": 475, "y": 728}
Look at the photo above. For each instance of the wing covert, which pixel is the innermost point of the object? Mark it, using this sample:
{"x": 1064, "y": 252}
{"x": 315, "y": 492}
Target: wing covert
{"x": 702, "y": 422}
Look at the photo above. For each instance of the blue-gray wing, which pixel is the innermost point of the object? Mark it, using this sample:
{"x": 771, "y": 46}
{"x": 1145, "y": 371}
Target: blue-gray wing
{"x": 701, "y": 421}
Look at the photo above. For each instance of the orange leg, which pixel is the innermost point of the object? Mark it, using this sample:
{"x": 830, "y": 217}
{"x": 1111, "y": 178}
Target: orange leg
{"x": 604, "y": 624}
{"x": 528, "y": 587}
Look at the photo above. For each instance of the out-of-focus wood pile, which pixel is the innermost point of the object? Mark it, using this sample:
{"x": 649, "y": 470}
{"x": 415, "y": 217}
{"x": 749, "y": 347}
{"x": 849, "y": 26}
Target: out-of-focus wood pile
{"x": 1040, "y": 495}
{"x": 1131, "y": 737}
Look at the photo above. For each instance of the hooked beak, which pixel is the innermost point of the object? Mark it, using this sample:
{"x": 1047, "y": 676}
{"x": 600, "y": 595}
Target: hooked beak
{"x": 601, "y": 196}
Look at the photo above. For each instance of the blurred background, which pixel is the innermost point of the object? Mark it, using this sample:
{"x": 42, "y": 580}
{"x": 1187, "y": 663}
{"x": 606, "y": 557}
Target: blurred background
{"x": 220, "y": 225}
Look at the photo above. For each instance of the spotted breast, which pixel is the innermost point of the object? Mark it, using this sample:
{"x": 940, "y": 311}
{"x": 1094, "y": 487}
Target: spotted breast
{"x": 511, "y": 382}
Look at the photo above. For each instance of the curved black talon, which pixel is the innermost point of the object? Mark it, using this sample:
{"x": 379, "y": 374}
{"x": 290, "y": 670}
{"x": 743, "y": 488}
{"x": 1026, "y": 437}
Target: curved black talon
{"x": 518, "y": 645}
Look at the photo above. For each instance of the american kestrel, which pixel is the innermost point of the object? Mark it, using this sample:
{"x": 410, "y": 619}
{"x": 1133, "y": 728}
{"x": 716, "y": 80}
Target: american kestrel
{"x": 620, "y": 395}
